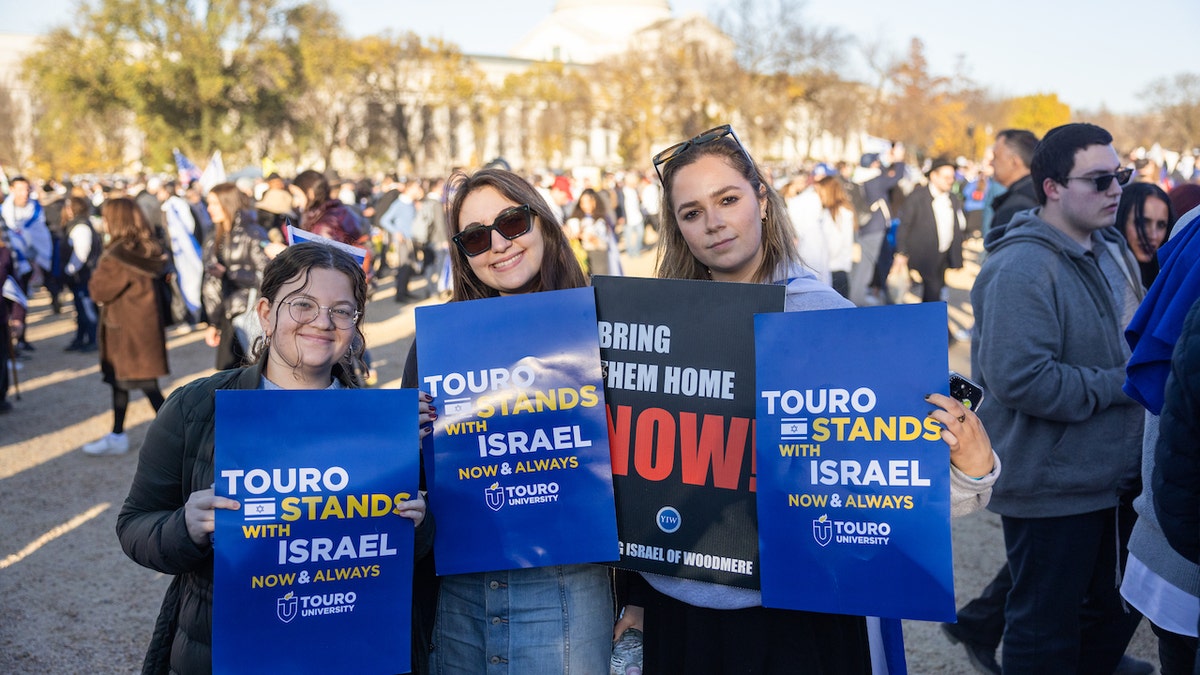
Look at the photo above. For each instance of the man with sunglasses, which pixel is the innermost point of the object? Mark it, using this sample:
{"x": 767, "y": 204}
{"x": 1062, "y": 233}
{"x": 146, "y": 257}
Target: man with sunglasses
{"x": 1051, "y": 303}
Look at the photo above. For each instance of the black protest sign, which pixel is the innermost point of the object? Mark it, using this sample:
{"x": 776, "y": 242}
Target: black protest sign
{"x": 678, "y": 360}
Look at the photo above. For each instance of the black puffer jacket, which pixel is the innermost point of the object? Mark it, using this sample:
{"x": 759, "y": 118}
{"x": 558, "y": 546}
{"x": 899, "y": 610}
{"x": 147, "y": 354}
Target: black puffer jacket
{"x": 177, "y": 460}
{"x": 1177, "y": 456}
{"x": 244, "y": 260}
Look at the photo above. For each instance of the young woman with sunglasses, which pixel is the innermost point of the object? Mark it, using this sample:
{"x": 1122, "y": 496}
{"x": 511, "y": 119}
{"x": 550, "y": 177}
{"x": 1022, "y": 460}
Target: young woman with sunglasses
{"x": 545, "y": 620}
{"x": 310, "y": 310}
{"x": 721, "y": 221}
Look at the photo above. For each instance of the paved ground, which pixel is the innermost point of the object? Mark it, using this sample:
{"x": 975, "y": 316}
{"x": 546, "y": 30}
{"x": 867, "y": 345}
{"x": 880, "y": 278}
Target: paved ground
{"x": 71, "y": 602}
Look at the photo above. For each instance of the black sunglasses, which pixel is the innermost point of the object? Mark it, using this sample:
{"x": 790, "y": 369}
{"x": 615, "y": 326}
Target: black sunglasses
{"x": 1104, "y": 180}
{"x": 510, "y": 223}
{"x": 714, "y": 134}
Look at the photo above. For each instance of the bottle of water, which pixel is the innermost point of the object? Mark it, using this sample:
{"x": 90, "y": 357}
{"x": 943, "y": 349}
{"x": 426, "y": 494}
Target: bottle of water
{"x": 627, "y": 654}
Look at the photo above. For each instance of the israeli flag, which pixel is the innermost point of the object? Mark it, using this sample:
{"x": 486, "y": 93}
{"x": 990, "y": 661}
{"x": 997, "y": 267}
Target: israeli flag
{"x": 793, "y": 428}
{"x": 13, "y": 292}
{"x": 258, "y": 509}
{"x": 189, "y": 265}
{"x": 214, "y": 173}
{"x": 188, "y": 172}
{"x": 296, "y": 235}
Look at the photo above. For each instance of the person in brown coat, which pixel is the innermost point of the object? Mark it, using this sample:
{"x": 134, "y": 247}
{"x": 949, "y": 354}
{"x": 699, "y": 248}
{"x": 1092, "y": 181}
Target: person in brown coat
{"x": 133, "y": 345}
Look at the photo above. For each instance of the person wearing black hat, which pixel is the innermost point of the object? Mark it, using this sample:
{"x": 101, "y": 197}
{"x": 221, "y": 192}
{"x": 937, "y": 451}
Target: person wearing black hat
{"x": 930, "y": 236}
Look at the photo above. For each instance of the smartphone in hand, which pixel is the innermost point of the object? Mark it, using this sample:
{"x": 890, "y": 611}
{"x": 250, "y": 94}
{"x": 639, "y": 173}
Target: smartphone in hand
{"x": 967, "y": 392}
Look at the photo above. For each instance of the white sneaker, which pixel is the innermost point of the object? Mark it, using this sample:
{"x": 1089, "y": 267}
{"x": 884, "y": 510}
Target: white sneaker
{"x": 111, "y": 444}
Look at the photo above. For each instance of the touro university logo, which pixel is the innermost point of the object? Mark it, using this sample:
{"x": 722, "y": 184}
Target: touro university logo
{"x": 823, "y": 530}
{"x": 287, "y": 607}
{"x": 494, "y": 496}
{"x": 860, "y": 532}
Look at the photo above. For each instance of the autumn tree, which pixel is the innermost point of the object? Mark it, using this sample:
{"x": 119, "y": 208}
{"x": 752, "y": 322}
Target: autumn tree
{"x": 631, "y": 101}
{"x": 1175, "y": 101}
{"x": 929, "y": 112}
{"x": 191, "y": 75}
{"x": 10, "y": 147}
{"x": 555, "y": 104}
{"x": 1038, "y": 113}
{"x": 791, "y": 65}
{"x": 883, "y": 64}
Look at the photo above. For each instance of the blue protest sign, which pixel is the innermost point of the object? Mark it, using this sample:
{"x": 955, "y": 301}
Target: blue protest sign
{"x": 314, "y": 573}
{"x": 521, "y": 471}
{"x": 853, "y": 477}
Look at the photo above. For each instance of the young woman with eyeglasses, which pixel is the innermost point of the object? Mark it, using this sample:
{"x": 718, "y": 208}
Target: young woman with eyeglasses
{"x": 721, "y": 221}
{"x": 310, "y": 310}
{"x": 545, "y": 620}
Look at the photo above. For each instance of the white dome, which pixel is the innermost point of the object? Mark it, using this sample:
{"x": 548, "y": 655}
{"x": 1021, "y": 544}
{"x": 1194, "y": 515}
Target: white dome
{"x": 586, "y": 31}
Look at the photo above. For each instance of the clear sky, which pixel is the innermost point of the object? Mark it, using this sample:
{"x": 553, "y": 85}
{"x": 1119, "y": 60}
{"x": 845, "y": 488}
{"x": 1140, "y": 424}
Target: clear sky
{"x": 1090, "y": 52}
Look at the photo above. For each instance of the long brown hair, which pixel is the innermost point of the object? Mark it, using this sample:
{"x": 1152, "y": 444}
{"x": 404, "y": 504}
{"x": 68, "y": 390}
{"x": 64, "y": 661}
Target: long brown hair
{"x": 675, "y": 259}
{"x": 833, "y": 195}
{"x": 559, "y": 268}
{"x": 233, "y": 202}
{"x": 127, "y": 224}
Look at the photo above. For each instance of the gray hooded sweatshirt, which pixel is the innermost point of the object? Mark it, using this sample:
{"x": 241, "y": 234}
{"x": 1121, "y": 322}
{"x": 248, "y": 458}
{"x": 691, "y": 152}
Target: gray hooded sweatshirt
{"x": 1049, "y": 350}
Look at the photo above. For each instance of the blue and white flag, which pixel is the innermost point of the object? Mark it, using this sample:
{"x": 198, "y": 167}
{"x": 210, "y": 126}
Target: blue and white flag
{"x": 189, "y": 266}
{"x": 214, "y": 173}
{"x": 188, "y": 172}
{"x": 13, "y": 292}
{"x": 28, "y": 235}
{"x": 295, "y": 235}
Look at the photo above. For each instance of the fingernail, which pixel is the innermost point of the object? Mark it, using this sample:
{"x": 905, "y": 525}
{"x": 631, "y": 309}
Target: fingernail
{"x": 930, "y": 413}
{"x": 433, "y": 416}
{"x": 927, "y": 396}
{"x": 433, "y": 409}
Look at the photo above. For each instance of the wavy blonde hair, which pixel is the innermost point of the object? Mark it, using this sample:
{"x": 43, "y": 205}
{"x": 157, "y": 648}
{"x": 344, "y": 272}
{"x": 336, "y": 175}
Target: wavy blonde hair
{"x": 676, "y": 261}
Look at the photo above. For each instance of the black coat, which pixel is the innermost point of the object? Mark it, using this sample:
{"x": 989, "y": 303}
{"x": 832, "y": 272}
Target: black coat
{"x": 1176, "y": 479}
{"x": 1018, "y": 197}
{"x": 228, "y": 295}
{"x": 176, "y": 460}
{"x": 917, "y": 235}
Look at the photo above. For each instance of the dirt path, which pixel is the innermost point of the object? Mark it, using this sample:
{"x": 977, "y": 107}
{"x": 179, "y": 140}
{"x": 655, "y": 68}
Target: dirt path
{"x": 71, "y": 602}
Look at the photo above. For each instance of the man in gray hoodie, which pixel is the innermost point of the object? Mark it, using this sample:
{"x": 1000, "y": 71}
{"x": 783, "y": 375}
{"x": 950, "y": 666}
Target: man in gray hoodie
{"x": 1051, "y": 302}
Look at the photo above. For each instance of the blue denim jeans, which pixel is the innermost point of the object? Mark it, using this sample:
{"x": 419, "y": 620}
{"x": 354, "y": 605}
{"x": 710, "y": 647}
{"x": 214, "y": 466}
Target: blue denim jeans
{"x": 537, "y": 621}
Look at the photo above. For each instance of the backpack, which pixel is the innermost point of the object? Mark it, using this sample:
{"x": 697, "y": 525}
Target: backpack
{"x": 84, "y": 273}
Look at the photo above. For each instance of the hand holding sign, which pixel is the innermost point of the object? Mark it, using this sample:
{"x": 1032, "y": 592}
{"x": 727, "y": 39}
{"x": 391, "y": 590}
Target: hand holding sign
{"x": 200, "y": 517}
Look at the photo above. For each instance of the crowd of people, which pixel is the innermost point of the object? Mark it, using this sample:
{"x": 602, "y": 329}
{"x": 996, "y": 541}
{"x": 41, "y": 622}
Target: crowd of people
{"x": 1085, "y": 278}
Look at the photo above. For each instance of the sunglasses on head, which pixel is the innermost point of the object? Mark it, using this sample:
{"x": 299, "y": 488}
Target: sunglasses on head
{"x": 1104, "y": 180}
{"x": 510, "y": 223}
{"x": 714, "y": 134}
